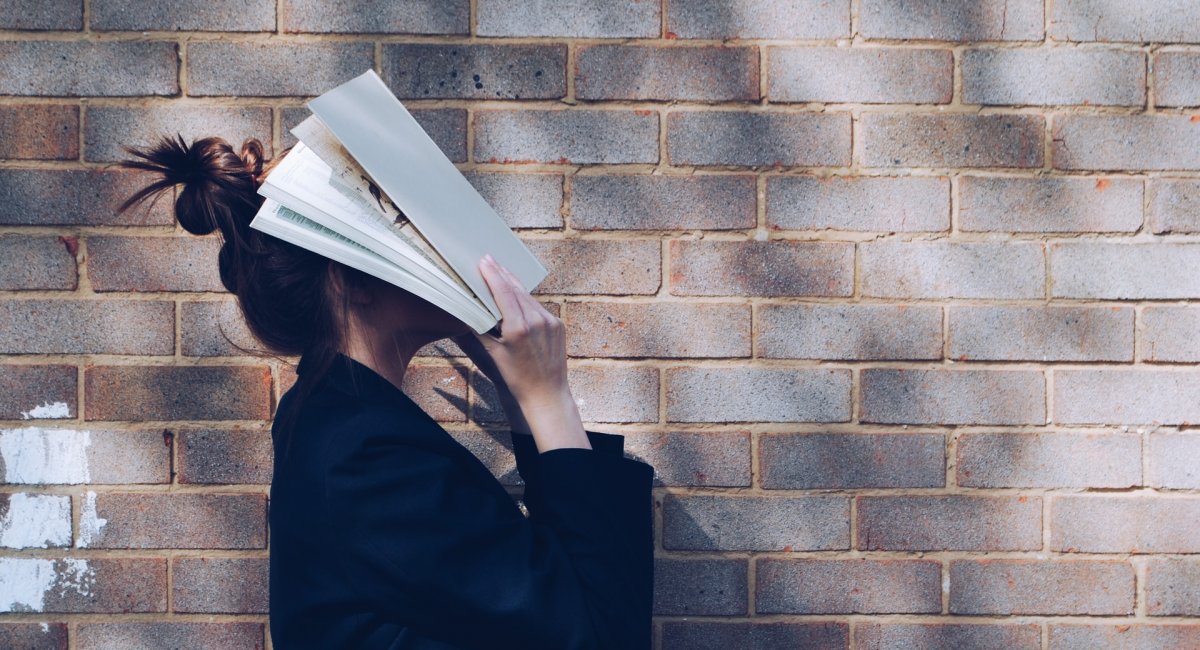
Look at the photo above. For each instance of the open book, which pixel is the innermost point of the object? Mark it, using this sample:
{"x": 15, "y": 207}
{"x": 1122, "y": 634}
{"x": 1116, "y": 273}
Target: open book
{"x": 366, "y": 186}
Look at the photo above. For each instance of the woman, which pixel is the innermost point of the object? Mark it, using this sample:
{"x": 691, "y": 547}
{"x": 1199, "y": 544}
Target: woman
{"x": 384, "y": 531}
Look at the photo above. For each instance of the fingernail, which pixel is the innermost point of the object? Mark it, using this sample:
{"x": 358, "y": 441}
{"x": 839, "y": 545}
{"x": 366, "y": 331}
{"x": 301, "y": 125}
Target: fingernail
{"x": 487, "y": 259}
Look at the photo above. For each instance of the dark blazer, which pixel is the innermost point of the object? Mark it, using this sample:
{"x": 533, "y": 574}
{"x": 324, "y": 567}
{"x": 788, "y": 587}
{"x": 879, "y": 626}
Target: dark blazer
{"x": 385, "y": 532}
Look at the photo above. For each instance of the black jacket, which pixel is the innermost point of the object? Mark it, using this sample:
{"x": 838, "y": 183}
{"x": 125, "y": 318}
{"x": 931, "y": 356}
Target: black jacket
{"x": 385, "y": 532}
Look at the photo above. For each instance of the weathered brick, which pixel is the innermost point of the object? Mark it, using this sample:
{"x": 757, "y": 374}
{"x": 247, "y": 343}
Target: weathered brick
{"x": 761, "y": 268}
{"x": 664, "y": 329}
{"x": 699, "y": 635}
{"x": 34, "y": 636}
{"x": 949, "y": 523}
{"x": 1052, "y": 76}
{"x": 42, "y": 15}
{"x": 578, "y": 136}
{"x": 106, "y": 128}
{"x": 950, "y": 140}
{"x": 83, "y": 585}
{"x": 1146, "y": 142}
{"x": 1125, "y": 396}
{"x": 29, "y": 520}
{"x": 89, "y": 68}
{"x": 595, "y": 266}
{"x": 1041, "y": 333}
{"x": 867, "y": 75}
{"x": 1166, "y": 333}
{"x": 147, "y": 636}
{"x": 220, "y": 585}
{"x": 39, "y": 132}
{"x": 376, "y": 17}
{"x": 37, "y": 392}
{"x": 224, "y": 456}
{"x": 183, "y": 263}
{"x": 87, "y": 327}
{"x": 41, "y": 455}
{"x": 177, "y": 392}
{"x": 602, "y": 394}
{"x": 758, "y": 138}
{"x": 937, "y": 396}
{"x": 1175, "y": 205}
{"x": 948, "y": 636}
{"x": 849, "y": 332}
{"x": 468, "y": 71}
{"x": 447, "y": 127}
{"x": 214, "y": 328}
{"x": 1124, "y": 524}
{"x": 1176, "y": 78}
{"x": 650, "y": 72}
{"x": 37, "y": 262}
{"x": 700, "y": 587}
{"x": 859, "y": 203}
{"x": 948, "y": 269}
{"x": 45, "y": 197}
{"x": 757, "y": 19}
{"x": 839, "y": 461}
{"x": 1041, "y": 587}
{"x": 188, "y": 15}
{"x": 755, "y": 523}
{"x": 1173, "y": 587}
{"x": 847, "y": 586}
{"x": 176, "y": 521}
{"x": 522, "y": 200}
{"x": 701, "y": 394}
{"x": 1134, "y": 637}
{"x": 1098, "y": 269}
{"x": 1049, "y": 204}
{"x": 1114, "y": 20}
{"x": 1172, "y": 461}
{"x": 1049, "y": 460}
{"x": 626, "y": 202}
{"x": 950, "y": 20}
{"x": 440, "y": 391}
{"x": 273, "y": 69}
{"x": 694, "y": 458}
{"x": 576, "y": 18}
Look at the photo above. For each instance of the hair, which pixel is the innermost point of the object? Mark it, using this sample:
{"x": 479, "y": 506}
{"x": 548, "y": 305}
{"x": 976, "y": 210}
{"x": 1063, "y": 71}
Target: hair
{"x": 294, "y": 301}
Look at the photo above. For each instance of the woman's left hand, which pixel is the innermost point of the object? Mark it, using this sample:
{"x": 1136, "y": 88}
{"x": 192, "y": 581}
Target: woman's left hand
{"x": 476, "y": 352}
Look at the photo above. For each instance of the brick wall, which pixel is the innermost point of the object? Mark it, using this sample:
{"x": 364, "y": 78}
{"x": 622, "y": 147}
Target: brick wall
{"x": 893, "y": 294}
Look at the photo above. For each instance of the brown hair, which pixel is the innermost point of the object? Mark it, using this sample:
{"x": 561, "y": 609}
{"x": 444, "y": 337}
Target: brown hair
{"x": 291, "y": 298}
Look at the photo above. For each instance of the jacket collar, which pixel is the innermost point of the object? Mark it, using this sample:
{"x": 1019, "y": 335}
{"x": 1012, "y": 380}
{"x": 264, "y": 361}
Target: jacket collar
{"x": 355, "y": 379}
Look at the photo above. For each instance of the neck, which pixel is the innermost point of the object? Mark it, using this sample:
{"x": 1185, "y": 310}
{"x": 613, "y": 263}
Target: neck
{"x": 386, "y": 353}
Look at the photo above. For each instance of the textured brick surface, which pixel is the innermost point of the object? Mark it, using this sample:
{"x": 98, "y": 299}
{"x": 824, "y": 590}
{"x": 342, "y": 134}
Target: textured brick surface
{"x": 34, "y": 636}
{"x": 878, "y": 75}
{"x": 87, "y": 326}
{"x": 1046, "y": 587}
{"x": 1054, "y": 76}
{"x": 606, "y": 329}
{"x": 757, "y": 19}
{"x": 1097, "y": 269}
{"x": 24, "y": 388}
{"x": 1171, "y": 461}
{"x": 108, "y": 127}
{"x": 666, "y": 73}
{"x": 758, "y": 138}
{"x": 698, "y": 635}
{"x": 109, "y": 68}
{"x": 177, "y": 392}
{"x": 271, "y": 69}
{"x": 1049, "y": 460}
{"x": 139, "y": 636}
{"x": 1120, "y": 396}
{"x": 577, "y": 18}
{"x": 43, "y": 197}
{"x": 1124, "y": 524}
{"x": 223, "y": 456}
{"x": 847, "y": 586}
{"x": 717, "y": 523}
{"x": 849, "y": 332}
{"x": 936, "y": 269}
{"x": 760, "y": 268}
{"x": 950, "y": 20}
{"x": 694, "y": 458}
{"x": 87, "y": 585}
{"x": 220, "y": 585}
{"x": 764, "y": 395}
{"x": 430, "y": 71}
{"x": 598, "y": 267}
{"x": 948, "y": 636}
{"x": 154, "y": 263}
{"x": 846, "y": 461}
{"x": 578, "y": 136}
{"x": 1177, "y": 79}
{"x": 1049, "y": 204}
{"x": 1174, "y": 205}
{"x": 915, "y": 396}
{"x": 946, "y": 140}
{"x": 41, "y": 14}
{"x": 1142, "y": 637}
{"x": 1059, "y": 333}
{"x": 178, "y": 521}
{"x": 214, "y": 328}
{"x": 447, "y": 127}
{"x": 626, "y": 202}
{"x": 1086, "y": 142}
{"x": 1114, "y": 20}
{"x": 949, "y": 523}
{"x": 521, "y": 200}
{"x": 198, "y": 15}
{"x": 37, "y": 262}
{"x": 39, "y": 132}
{"x": 869, "y": 203}
{"x": 602, "y": 394}
{"x": 376, "y": 16}
{"x": 1166, "y": 334}
{"x": 700, "y": 587}
{"x": 1173, "y": 587}
{"x": 35, "y": 520}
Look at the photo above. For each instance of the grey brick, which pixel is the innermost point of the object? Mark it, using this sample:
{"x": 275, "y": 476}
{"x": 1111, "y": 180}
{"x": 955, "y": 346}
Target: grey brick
{"x": 1126, "y": 396}
{"x": 578, "y": 136}
{"x": 950, "y": 140}
{"x": 1049, "y": 460}
{"x": 433, "y": 70}
{"x": 1120, "y": 271}
{"x": 761, "y": 268}
{"x": 154, "y": 263}
{"x": 180, "y": 520}
{"x": 94, "y": 585}
{"x": 868, "y": 75}
{"x": 935, "y": 396}
{"x": 53, "y": 197}
{"x": 842, "y": 461}
{"x": 232, "y": 585}
{"x": 859, "y": 586}
{"x": 949, "y": 523}
{"x": 575, "y": 18}
{"x": 1175, "y": 205}
{"x": 522, "y": 200}
{"x": 755, "y": 523}
{"x": 108, "y": 457}
{"x": 1117, "y": 20}
{"x": 657, "y": 202}
{"x": 1041, "y": 587}
{"x": 377, "y": 16}
{"x": 39, "y": 132}
{"x": 596, "y": 266}
{"x": 106, "y": 128}
{"x": 700, "y": 587}
{"x": 41, "y": 14}
{"x": 89, "y": 68}
{"x": 953, "y": 20}
{"x": 849, "y": 332}
{"x": 1173, "y": 587}
{"x": 945, "y": 269}
{"x": 1168, "y": 333}
{"x": 87, "y": 327}
{"x": 216, "y": 456}
{"x": 1050, "y": 204}
{"x": 758, "y": 19}
{"x": 764, "y": 394}
{"x": 1041, "y": 333}
{"x": 696, "y": 634}
{"x": 1146, "y": 142}
{"x": 694, "y": 458}
{"x": 1054, "y": 76}
{"x": 213, "y": 328}
{"x": 1141, "y": 637}
{"x": 34, "y": 636}
{"x": 1173, "y": 461}
{"x": 1124, "y": 524}
{"x": 1177, "y": 78}
{"x": 37, "y": 262}
{"x": 187, "y": 15}
{"x": 665, "y": 329}
{"x": 701, "y": 73}
{"x": 949, "y": 636}
{"x": 24, "y": 388}
{"x": 273, "y": 69}
{"x": 758, "y": 138}
{"x": 447, "y": 127}
{"x": 235, "y": 636}
{"x": 859, "y": 203}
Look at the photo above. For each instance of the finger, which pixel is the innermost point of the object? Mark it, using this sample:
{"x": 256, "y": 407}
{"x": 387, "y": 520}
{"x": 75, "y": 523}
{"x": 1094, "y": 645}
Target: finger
{"x": 529, "y": 305}
{"x": 506, "y": 296}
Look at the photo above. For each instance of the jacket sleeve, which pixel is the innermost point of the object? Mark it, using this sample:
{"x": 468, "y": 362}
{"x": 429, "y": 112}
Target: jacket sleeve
{"x": 432, "y": 547}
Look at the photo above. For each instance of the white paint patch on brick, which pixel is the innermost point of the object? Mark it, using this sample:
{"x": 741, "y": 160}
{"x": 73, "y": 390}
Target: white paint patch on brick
{"x": 36, "y": 521}
{"x": 48, "y": 411}
{"x": 89, "y": 523}
{"x": 25, "y": 582}
{"x": 39, "y": 456}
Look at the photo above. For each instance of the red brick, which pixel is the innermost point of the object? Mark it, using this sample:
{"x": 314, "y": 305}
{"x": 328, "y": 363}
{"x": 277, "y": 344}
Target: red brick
{"x": 839, "y": 461}
{"x": 849, "y": 332}
{"x": 702, "y": 394}
{"x": 224, "y": 456}
{"x": 859, "y": 203}
{"x": 1041, "y": 587}
{"x": 949, "y": 523}
{"x": 87, "y": 327}
{"x": 24, "y": 388}
{"x": 1049, "y": 204}
{"x": 761, "y": 268}
{"x": 1115, "y": 20}
{"x": 700, "y": 587}
{"x": 757, "y": 19}
{"x": 664, "y": 329}
{"x": 1172, "y": 460}
{"x": 694, "y": 458}
{"x": 411, "y": 17}
{"x": 154, "y": 263}
{"x": 1173, "y": 587}
{"x": 107, "y": 128}
{"x": 1124, "y": 524}
{"x": 145, "y": 636}
{"x": 1086, "y": 142}
{"x": 138, "y": 393}
{"x": 85, "y": 585}
{"x": 1041, "y": 333}
{"x": 273, "y": 69}
{"x": 29, "y": 262}
{"x": 1175, "y": 205}
{"x": 89, "y": 68}
{"x": 847, "y": 586}
{"x": 657, "y": 202}
{"x": 42, "y": 15}
{"x": 43, "y": 197}
{"x": 595, "y": 266}
{"x": 948, "y": 636}
{"x": 39, "y": 132}
{"x": 1124, "y": 636}
{"x": 953, "y": 269}
{"x": 1049, "y": 460}
{"x": 1166, "y": 333}
{"x": 980, "y": 20}
{"x": 220, "y": 585}
{"x": 701, "y": 73}
{"x": 1054, "y": 76}
{"x": 867, "y": 75}
{"x": 184, "y": 15}
{"x": 470, "y": 71}
{"x": 950, "y": 140}
{"x": 755, "y": 523}
{"x": 758, "y": 138}
{"x": 1125, "y": 396}
{"x": 699, "y": 635}
{"x": 34, "y": 636}
{"x": 936, "y": 396}
{"x": 179, "y": 520}
{"x": 440, "y": 391}
{"x": 577, "y": 136}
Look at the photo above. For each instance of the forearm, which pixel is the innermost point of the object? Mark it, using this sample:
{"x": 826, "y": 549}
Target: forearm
{"x": 554, "y": 422}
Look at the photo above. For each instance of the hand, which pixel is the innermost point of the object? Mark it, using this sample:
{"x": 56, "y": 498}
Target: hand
{"x": 483, "y": 361}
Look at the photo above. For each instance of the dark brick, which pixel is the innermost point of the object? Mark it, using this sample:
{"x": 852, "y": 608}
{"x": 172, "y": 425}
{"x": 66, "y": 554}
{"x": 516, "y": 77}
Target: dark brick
{"x": 224, "y": 456}
{"x": 273, "y": 69}
{"x": 949, "y": 523}
{"x": 575, "y": 18}
{"x": 665, "y": 330}
{"x": 765, "y": 394}
{"x": 138, "y": 393}
{"x": 433, "y": 70}
{"x": 150, "y": 636}
{"x": 594, "y": 266}
{"x": 89, "y": 68}
{"x": 39, "y": 132}
{"x": 859, "y": 203}
{"x": 757, "y": 19}
{"x": 941, "y": 396}
{"x": 694, "y": 458}
{"x": 376, "y": 17}
{"x": 761, "y": 268}
{"x": 840, "y": 461}
{"x": 37, "y": 262}
{"x": 627, "y": 202}
{"x": 758, "y": 138}
{"x": 785, "y": 586}
{"x": 214, "y": 328}
{"x": 87, "y": 327}
{"x": 70, "y": 197}
{"x": 755, "y": 523}
{"x": 106, "y": 128}
{"x": 180, "y": 520}
{"x": 577, "y": 136}
{"x": 702, "y": 73}
{"x": 950, "y": 140}
{"x": 25, "y": 388}
{"x": 41, "y": 15}
{"x": 698, "y": 635}
{"x": 184, "y": 15}
{"x": 220, "y": 585}
{"x": 1041, "y": 587}
{"x": 34, "y": 636}
{"x": 700, "y": 587}
{"x": 182, "y": 263}
{"x": 948, "y": 636}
